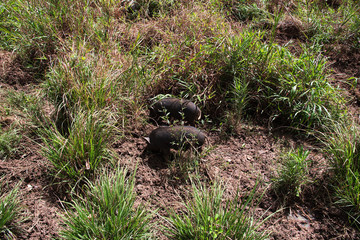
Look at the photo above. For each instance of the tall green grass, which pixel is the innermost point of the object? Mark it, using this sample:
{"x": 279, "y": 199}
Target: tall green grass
{"x": 35, "y": 29}
{"x": 293, "y": 173}
{"x": 85, "y": 80}
{"x": 138, "y": 10}
{"x": 247, "y": 11}
{"x": 291, "y": 90}
{"x": 78, "y": 83}
{"x": 326, "y": 24}
{"x": 208, "y": 216}
{"x": 10, "y": 216}
{"x": 247, "y": 74}
{"x": 343, "y": 148}
{"x": 108, "y": 211}
{"x": 29, "y": 107}
{"x": 9, "y": 140}
{"x": 28, "y": 29}
{"x": 79, "y": 154}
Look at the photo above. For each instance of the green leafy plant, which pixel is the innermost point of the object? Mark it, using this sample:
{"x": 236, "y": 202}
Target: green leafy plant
{"x": 239, "y": 99}
{"x": 185, "y": 163}
{"x": 108, "y": 211}
{"x": 208, "y": 216}
{"x": 293, "y": 174}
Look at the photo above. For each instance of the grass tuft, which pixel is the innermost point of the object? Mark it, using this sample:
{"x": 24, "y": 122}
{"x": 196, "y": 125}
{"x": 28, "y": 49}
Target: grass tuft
{"x": 343, "y": 148}
{"x": 86, "y": 147}
{"x": 8, "y": 142}
{"x": 290, "y": 90}
{"x": 30, "y": 107}
{"x": 108, "y": 211}
{"x": 209, "y": 216}
{"x": 293, "y": 174}
{"x": 10, "y": 215}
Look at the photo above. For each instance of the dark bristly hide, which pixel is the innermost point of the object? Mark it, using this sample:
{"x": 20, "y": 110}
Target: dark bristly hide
{"x": 175, "y": 109}
{"x": 163, "y": 139}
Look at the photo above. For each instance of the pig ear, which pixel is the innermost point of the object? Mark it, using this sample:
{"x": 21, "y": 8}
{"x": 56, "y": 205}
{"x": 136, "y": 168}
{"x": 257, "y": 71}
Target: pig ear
{"x": 147, "y": 139}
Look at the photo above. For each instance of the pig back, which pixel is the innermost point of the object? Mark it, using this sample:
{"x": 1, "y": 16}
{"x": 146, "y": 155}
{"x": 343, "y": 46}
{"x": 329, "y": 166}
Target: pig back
{"x": 164, "y": 138}
{"x": 176, "y": 108}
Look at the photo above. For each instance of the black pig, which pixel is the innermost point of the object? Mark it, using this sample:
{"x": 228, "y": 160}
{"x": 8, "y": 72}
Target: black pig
{"x": 163, "y": 139}
{"x": 179, "y": 109}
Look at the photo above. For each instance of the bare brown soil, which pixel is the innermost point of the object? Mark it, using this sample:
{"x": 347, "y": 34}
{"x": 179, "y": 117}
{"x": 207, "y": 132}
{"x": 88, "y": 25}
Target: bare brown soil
{"x": 239, "y": 161}
{"x": 41, "y": 206}
{"x": 12, "y": 72}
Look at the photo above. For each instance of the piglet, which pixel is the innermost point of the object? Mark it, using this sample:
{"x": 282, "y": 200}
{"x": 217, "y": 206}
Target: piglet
{"x": 178, "y": 109}
{"x": 163, "y": 139}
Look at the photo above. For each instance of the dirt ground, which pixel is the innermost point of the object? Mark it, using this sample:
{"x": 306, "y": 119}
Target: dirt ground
{"x": 239, "y": 161}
